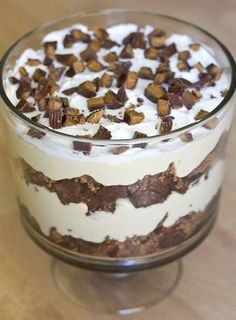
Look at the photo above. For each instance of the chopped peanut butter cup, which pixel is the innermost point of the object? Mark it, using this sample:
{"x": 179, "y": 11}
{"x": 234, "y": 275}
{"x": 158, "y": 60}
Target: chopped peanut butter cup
{"x": 127, "y": 52}
{"x": 24, "y": 106}
{"x": 154, "y": 92}
{"x": 163, "y": 107}
{"x": 102, "y": 133}
{"x": 110, "y": 57}
{"x": 66, "y": 59}
{"x": 55, "y": 112}
{"x": 84, "y": 147}
{"x": 131, "y": 80}
{"x": 157, "y": 38}
{"x": 166, "y": 124}
{"x": 87, "y": 89}
{"x": 145, "y": 73}
{"x": 96, "y": 103}
{"x": 133, "y": 117}
{"x": 34, "y": 133}
{"x": 95, "y": 116}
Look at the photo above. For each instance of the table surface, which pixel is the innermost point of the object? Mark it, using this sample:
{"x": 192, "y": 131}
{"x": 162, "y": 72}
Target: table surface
{"x": 208, "y": 286}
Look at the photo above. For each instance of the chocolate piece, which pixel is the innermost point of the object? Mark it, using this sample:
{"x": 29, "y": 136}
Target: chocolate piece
{"x": 79, "y": 35}
{"x": 135, "y": 39}
{"x": 95, "y": 116}
{"x": 66, "y": 59}
{"x": 151, "y": 53}
{"x": 70, "y": 91}
{"x": 56, "y": 73}
{"x": 24, "y": 90}
{"x": 201, "y": 114}
{"x": 139, "y": 135}
{"x": 177, "y": 87}
{"x": 175, "y": 100}
{"x": 195, "y": 46}
{"x": 184, "y": 55}
{"x": 68, "y": 41}
{"x": 166, "y": 125}
{"x": 214, "y": 71}
{"x": 24, "y": 106}
{"x": 42, "y": 89}
{"x": 94, "y": 45}
{"x": 72, "y": 117}
{"x": 211, "y": 123}
{"x": 112, "y": 101}
{"x": 133, "y": 117}
{"x": 189, "y": 99}
{"x": 131, "y": 80}
{"x": 145, "y": 73}
{"x": 55, "y": 112}
{"x": 101, "y": 34}
{"x": 34, "y": 133}
{"x": 87, "y": 89}
{"x": 76, "y": 67}
{"x": 163, "y": 107}
{"x": 84, "y": 147}
{"x": 43, "y": 104}
{"x": 122, "y": 96}
{"x": 119, "y": 150}
{"x": 204, "y": 80}
{"x": 113, "y": 118}
{"x": 14, "y": 80}
{"x": 163, "y": 67}
{"x": 23, "y": 72}
{"x": 111, "y": 57}
{"x": 186, "y": 137}
{"x": 169, "y": 51}
{"x": 50, "y": 48}
{"x": 38, "y": 73}
{"x": 95, "y": 65}
{"x": 183, "y": 66}
{"x": 96, "y": 82}
{"x": 199, "y": 67}
{"x": 96, "y": 103}
{"x": 108, "y": 44}
{"x": 163, "y": 77}
{"x": 48, "y": 61}
{"x": 106, "y": 80}
{"x": 154, "y": 92}
{"x": 33, "y": 62}
{"x": 102, "y": 133}
{"x": 36, "y": 118}
{"x": 157, "y": 38}
{"x": 88, "y": 54}
{"x": 121, "y": 70}
{"x": 127, "y": 52}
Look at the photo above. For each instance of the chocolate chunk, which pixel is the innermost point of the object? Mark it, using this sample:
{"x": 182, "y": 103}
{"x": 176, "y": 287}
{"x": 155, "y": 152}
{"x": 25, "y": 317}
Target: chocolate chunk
{"x": 166, "y": 124}
{"x": 201, "y": 114}
{"x": 95, "y": 65}
{"x": 113, "y": 118}
{"x": 72, "y": 117}
{"x": 131, "y": 80}
{"x": 88, "y": 54}
{"x": 183, "y": 66}
{"x": 154, "y": 92}
{"x": 199, "y": 67}
{"x": 163, "y": 77}
{"x": 95, "y": 116}
{"x": 70, "y": 91}
{"x": 111, "y": 57}
{"x": 14, "y": 80}
{"x": 87, "y": 89}
{"x": 163, "y": 107}
{"x": 76, "y": 67}
{"x": 186, "y": 137}
{"x": 34, "y": 133}
{"x": 24, "y": 106}
{"x": 43, "y": 104}
{"x": 127, "y": 52}
{"x": 101, "y": 34}
{"x": 139, "y": 135}
{"x": 42, "y": 89}
{"x": 84, "y": 147}
{"x": 119, "y": 150}
{"x": 122, "y": 95}
{"x": 189, "y": 99}
{"x": 133, "y": 117}
{"x": 195, "y": 46}
{"x": 106, "y": 80}
{"x": 33, "y": 62}
{"x": 38, "y": 73}
{"x": 175, "y": 100}
{"x": 157, "y": 38}
{"x": 112, "y": 101}
{"x": 184, "y": 55}
{"x": 56, "y": 73}
{"x": 169, "y": 51}
{"x": 68, "y": 41}
{"x": 136, "y": 39}
{"x": 96, "y": 103}
{"x": 23, "y": 72}
{"x": 214, "y": 71}
{"x": 24, "y": 90}
{"x": 79, "y": 35}
{"x": 55, "y": 112}
{"x": 211, "y": 123}
{"x": 145, "y": 73}
{"x": 102, "y": 133}
{"x": 66, "y": 59}
{"x": 50, "y": 48}
{"x": 151, "y": 53}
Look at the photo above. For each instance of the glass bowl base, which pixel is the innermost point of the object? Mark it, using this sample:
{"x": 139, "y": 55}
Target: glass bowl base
{"x": 116, "y": 293}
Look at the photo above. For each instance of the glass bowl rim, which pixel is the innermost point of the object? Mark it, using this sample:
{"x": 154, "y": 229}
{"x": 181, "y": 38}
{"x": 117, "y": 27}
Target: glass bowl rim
{"x": 158, "y": 137}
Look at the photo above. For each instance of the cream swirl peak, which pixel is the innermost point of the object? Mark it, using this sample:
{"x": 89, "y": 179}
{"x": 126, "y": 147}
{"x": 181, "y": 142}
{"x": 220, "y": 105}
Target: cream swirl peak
{"x": 120, "y": 83}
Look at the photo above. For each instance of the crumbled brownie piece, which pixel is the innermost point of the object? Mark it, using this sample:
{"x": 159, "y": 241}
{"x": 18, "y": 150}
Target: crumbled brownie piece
{"x": 101, "y": 34}
{"x": 131, "y": 80}
{"x": 95, "y": 103}
{"x": 87, "y": 89}
{"x": 95, "y": 66}
{"x": 136, "y": 39}
{"x": 95, "y": 116}
{"x": 55, "y": 112}
{"x": 154, "y": 92}
{"x": 122, "y": 95}
{"x": 36, "y": 118}
{"x": 24, "y": 106}
{"x": 76, "y": 67}
{"x": 94, "y": 45}
{"x": 66, "y": 59}
{"x": 111, "y": 57}
{"x": 157, "y": 38}
{"x": 145, "y": 73}
{"x": 163, "y": 107}
{"x": 151, "y": 53}
{"x": 133, "y": 117}
{"x": 106, "y": 80}
{"x": 38, "y": 74}
{"x": 177, "y": 87}
{"x": 102, "y": 133}
{"x": 166, "y": 124}
{"x": 84, "y": 147}
{"x": 34, "y": 133}
{"x": 186, "y": 137}
{"x": 201, "y": 114}
{"x": 127, "y": 52}
{"x": 113, "y": 118}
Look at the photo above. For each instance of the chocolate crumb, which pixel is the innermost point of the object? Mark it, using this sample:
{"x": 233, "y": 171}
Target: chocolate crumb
{"x": 43, "y": 104}
{"x": 14, "y": 80}
{"x": 79, "y": 35}
{"x": 169, "y": 51}
{"x": 88, "y": 54}
{"x": 68, "y": 41}
{"x": 135, "y": 39}
{"x": 214, "y": 71}
{"x": 23, "y": 72}
{"x": 113, "y": 118}
{"x": 151, "y": 53}
{"x": 184, "y": 55}
{"x": 84, "y": 147}
{"x": 72, "y": 117}
{"x": 195, "y": 46}
{"x": 70, "y": 91}
{"x": 50, "y": 48}
{"x": 199, "y": 67}
{"x": 111, "y": 100}
{"x": 56, "y": 73}
{"x": 189, "y": 99}
{"x": 42, "y": 89}
{"x": 122, "y": 95}
{"x": 24, "y": 90}
{"x": 162, "y": 77}
{"x": 36, "y": 118}
{"x": 33, "y": 62}
{"x": 157, "y": 38}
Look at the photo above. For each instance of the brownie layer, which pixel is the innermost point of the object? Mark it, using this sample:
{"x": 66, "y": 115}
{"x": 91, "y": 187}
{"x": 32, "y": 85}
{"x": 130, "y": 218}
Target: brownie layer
{"x": 152, "y": 189}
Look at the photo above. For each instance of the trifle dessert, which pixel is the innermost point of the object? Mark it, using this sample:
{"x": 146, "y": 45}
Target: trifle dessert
{"x": 117, "y": 137}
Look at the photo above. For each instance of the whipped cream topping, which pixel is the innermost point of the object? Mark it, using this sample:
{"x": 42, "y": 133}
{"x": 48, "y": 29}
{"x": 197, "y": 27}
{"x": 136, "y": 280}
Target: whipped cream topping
{"x": 211, "y": 95}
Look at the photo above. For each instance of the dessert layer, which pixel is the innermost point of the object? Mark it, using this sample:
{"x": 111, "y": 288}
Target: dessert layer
{"x": 160, "y": 238}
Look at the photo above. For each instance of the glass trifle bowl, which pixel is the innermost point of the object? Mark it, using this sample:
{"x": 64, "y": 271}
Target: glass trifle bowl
{"x": 116, "y": 132}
